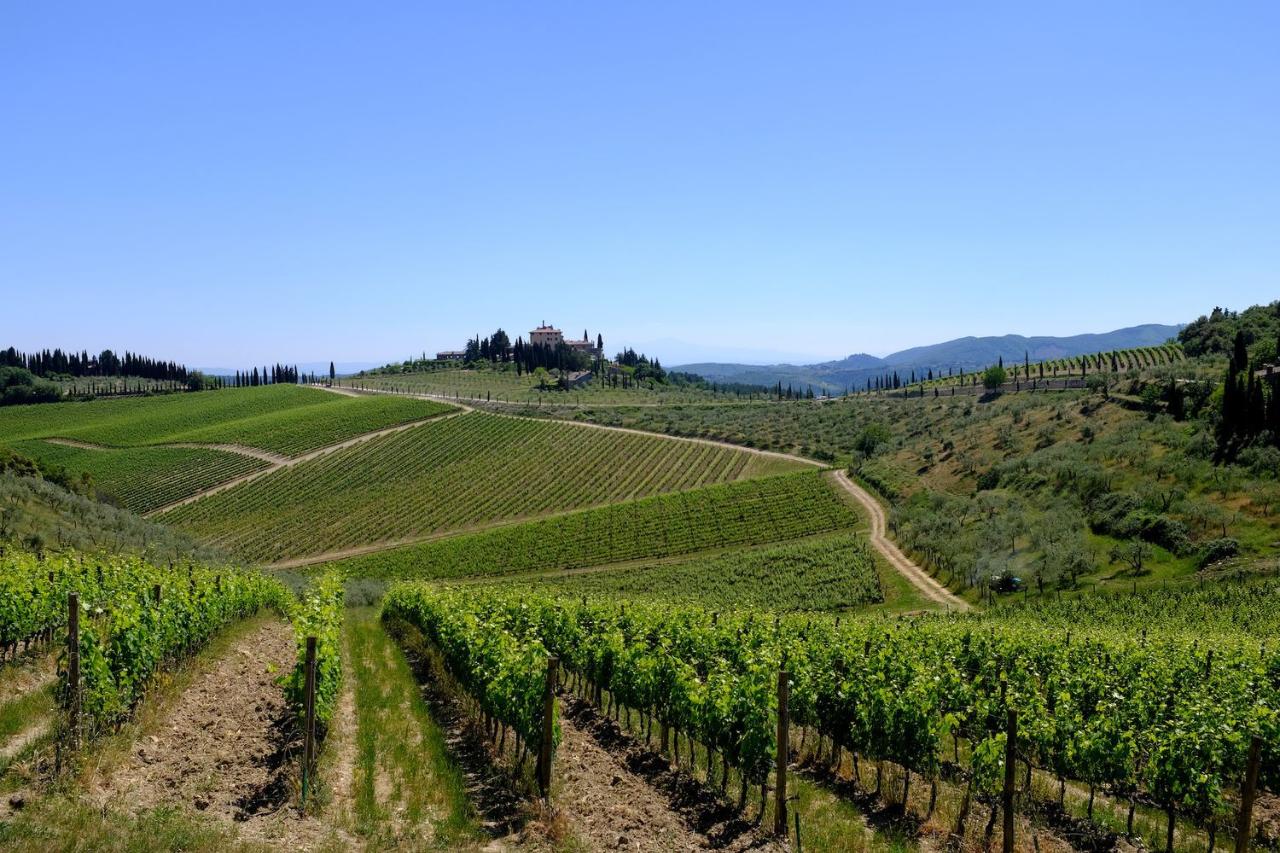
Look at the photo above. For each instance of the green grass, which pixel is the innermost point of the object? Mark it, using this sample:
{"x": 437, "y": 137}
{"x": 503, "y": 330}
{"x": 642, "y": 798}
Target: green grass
{"x": 145, "y": 478}
{"x": 406, "y": 786}
{"x": 21, "y": 714}
{"x": 831, "y": 572}
{"x": 63, "y": 821}
{"x": 462, "y": 472}
{"x": 285, "y": 419}
{"x": 769, "y": 509}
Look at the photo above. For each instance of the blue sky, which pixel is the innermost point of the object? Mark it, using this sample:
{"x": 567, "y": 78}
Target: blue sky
{"x": 224, "y": 183}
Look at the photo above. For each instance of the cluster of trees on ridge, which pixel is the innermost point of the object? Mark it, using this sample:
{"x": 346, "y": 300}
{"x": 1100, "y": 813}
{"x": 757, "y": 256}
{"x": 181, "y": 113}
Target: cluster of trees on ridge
{"x": 82, "y": 364}
{"x": 272, "y": 375}
{"x": 24, "y": 377}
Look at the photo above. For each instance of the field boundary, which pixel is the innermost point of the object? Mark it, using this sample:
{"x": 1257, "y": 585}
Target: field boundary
{"x": 917, "y": 576}
{"x": 290, "y": 461}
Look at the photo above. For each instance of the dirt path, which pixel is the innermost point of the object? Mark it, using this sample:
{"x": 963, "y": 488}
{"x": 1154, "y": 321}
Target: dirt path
{"x": 918, "y": 577}
{"x": 226, "y": 748}
{"x": 617, "y": 795}
{"x": 14, "y": 746}
{"x": 29, "y": 673}
{"x": 290, "y": 461}
{"x": 710, "y": 442}
{"x": 241, "y": 449}
{"x": 238, "y": 449}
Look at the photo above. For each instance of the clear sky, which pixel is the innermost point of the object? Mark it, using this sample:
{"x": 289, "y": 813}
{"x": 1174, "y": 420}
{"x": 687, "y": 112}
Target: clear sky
{"x": 227, "y": 183}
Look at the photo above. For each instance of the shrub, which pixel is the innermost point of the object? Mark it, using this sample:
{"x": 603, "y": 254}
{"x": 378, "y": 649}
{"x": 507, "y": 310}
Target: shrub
{"x": 1218, "y": 549}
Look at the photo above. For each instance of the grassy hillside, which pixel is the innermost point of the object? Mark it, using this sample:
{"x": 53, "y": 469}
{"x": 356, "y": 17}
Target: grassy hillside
{"x": 284, "y": 419}
{"x": 39, "y": 514}
{"x": 460, "y": 472}
{"x": 769, "y": 509}
{"x": 1075, "y": 488}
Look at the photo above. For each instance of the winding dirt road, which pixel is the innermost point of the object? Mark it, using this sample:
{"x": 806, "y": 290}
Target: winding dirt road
{"x": 919, "y": 578}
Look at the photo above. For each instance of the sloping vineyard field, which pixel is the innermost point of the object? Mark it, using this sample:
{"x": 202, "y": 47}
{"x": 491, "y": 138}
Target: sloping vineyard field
{"x": 1154, "y": 717}
{"x": 503, "y": 385}
{"x": 823, "y": 573}
{"x": 285, "y": 419}
{"x": 750, "y": 512}
{"x": 146, "y": 478}
{"x": 463, "y": 471}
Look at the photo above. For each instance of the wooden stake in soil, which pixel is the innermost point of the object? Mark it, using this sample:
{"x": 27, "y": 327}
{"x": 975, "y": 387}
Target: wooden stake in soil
{"x": 309, "y": 719}
{"x": 548, "y": 727}
{"x": 1245, "y": 829}
{"x": 1010, "y": 755}
{"x": 73, "y": 667}
{"x": 784, "y": 727}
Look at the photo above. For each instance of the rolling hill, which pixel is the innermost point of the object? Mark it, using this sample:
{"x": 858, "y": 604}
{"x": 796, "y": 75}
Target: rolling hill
{"x": 967, "y": 353}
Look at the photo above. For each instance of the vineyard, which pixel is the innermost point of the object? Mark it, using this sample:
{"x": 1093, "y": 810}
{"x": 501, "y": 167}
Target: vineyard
{"x": 284, "y": 419}
{"x": 750, "y": 512}
{"x": 823, "y": 573}
{"x": 133, "y": 619}
{"x": 125, "y": 627}
{"x": 441, "y": 476}
{"x": 504, "y": 386}
{"x": 1144, "y": 719}
{"x": 145, "y": 478}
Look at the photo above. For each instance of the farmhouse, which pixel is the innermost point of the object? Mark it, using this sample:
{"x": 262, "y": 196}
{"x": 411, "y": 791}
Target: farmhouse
{"x": 546, "y": 336}
{"x": 552, "y": 337}
{"x": 451, "y": 355}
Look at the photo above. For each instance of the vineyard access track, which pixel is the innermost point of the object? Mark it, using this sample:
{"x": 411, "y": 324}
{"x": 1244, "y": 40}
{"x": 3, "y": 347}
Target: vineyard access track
{"x": 226, "y": 748}
{"x": 917, "y": 576}
{"x": 274, "y": 460}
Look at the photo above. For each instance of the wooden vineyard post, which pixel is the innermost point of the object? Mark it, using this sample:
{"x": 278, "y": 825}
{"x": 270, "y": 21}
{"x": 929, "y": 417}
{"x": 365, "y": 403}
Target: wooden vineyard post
{"x": 73, "y": 667}
{"x": 548, "y": 727}
{"x": 784, "y": 754}
{"x": 155, "y": 593}
{"x": 1010, "y": 756}
{"x": 1245, "y": 829}
{"x": 309, "y": 719}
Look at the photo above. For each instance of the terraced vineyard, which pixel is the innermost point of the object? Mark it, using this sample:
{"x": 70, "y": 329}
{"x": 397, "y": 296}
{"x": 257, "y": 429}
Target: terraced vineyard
{"x": 751, "y": 512}
{"x": 824, "y": 573}
{"x": 145, "y": 478}
{"x": 283, "y": 419}
{"x": 468, "y": 470}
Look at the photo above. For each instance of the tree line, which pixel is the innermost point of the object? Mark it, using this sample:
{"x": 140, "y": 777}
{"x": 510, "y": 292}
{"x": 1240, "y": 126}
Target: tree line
{"x": 82, "y": 364}
{"x": 273, "y": 375}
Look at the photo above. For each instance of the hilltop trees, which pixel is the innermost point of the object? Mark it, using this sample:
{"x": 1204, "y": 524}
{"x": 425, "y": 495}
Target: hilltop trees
{"x": 82, "y": 364}
{"x": 269, "y": 376}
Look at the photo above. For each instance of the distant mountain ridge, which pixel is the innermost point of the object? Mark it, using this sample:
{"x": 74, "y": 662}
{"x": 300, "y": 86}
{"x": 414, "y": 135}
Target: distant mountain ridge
{"x": 968, "y": 354}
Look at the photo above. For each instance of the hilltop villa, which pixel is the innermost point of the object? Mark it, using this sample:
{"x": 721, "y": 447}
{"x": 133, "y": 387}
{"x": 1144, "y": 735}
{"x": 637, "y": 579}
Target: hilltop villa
{"x": 552, "y": 337}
